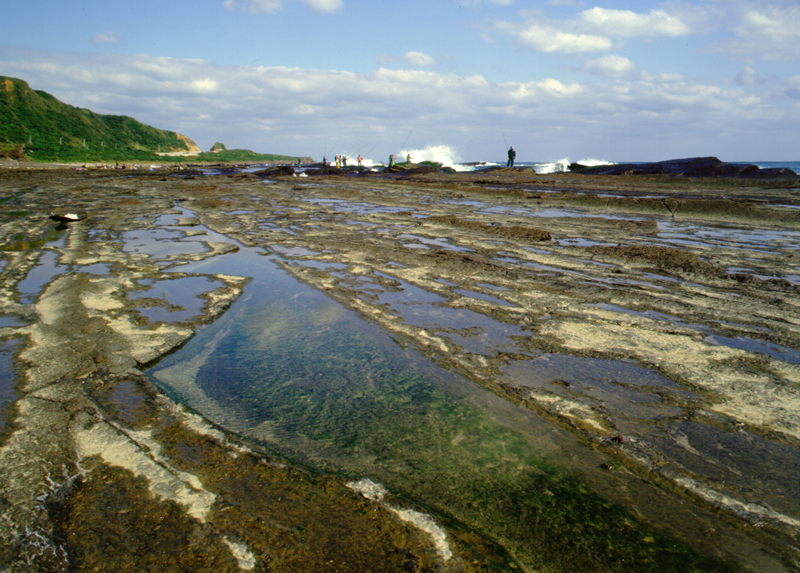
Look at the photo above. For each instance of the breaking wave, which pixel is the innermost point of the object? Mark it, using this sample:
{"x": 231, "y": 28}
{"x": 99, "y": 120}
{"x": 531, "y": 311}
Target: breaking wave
{"x": 443, "y": 154}
{"x": 562, "y": 165}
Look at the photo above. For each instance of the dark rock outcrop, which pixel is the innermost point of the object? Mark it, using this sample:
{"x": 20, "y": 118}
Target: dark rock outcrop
{"x": 691, "y": 167}
{"x": 276, "y": 171}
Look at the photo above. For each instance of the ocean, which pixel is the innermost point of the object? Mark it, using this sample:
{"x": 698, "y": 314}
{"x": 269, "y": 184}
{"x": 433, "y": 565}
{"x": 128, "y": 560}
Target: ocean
{"x": 563, "y": 164}
{"x": 448, "y": 157}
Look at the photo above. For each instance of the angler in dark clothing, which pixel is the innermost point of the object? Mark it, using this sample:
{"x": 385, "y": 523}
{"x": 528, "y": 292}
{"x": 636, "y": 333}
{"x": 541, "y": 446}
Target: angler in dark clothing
{"x": 511, "y": 156}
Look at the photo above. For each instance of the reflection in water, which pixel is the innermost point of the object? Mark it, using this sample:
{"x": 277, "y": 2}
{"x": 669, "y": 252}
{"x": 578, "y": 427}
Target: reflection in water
{"x": 182, "y": 292}
{"x": 162, "y": 243}
{"x": 7, "y": 392}
{"x": 48, "y": 268}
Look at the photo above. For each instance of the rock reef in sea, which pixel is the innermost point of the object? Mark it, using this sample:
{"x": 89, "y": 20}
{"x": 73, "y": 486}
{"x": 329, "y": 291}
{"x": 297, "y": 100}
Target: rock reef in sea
{"x": 691, "y": 167}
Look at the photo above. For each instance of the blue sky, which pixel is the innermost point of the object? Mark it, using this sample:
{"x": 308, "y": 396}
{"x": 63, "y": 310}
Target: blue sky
{"x": 612, "y": 80}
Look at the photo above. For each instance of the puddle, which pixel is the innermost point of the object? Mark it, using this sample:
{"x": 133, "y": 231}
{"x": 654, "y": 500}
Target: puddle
{"x": 580, "y": 242}
{"x": 736, "y": 457}
{"x": 48, "y": 268}
{"x": 646, "y": 314}
{"x": 10, "y": 322}
{"x": 407, "y": 293}
{"x": 493, "y": 287}
{"x": 181, "y": 292}
{"x": 757, "y": 346}
{"x": 484, "y": 297}
{"x": 7, "y": 392}
{"x": 95, "y": 269}
{"x": 441, "y": 243}
{"x": 341, "y": 205}
{"x": 616, "y": 387}
{"x": 56, "y": 237}
{"x": 741, "y": 343}
{"x": 474, "y": 332}
{"x": 733, "y": 238}
{"x": 321, "y": 265}
{"x": 161, "y": 243}
{"x": 127, "y": 401}
{"x": 294, "y": 251}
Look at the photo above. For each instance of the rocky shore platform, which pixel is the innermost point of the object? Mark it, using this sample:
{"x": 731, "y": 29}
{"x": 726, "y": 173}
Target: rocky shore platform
{"x": 693, "y": 280}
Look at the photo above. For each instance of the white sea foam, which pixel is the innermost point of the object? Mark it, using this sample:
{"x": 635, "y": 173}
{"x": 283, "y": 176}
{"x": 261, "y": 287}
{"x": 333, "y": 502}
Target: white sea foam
{"x": 443, "y": 154}
{"x": 562, "y": 165}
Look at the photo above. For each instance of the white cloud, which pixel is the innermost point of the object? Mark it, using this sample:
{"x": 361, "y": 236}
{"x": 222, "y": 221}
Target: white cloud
{"x": 107, "y": 38}
{"x": 594, "y": 30}
{"x": 763, "y": 30}
{"x": 253, "y": 6}
{"x": 419, "y": 60}
{"x": 204, "y": 85}
{"x": 272, "y": 6}
{"x": 611, "y": 66}
{"x": 748, "y": 77}
{"x": 329, "y": 6}
{"x": 549, "y": 40}
{"x": 626, "y": 24}
{"x": 575, "y": 3}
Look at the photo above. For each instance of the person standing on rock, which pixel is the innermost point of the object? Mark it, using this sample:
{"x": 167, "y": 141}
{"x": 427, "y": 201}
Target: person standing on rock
{"x": 511, "y": 156}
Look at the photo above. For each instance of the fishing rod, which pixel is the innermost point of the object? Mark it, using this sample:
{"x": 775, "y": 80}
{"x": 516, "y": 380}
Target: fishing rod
{"x": 351, "y": 151}
{"x": 373, "y": 147}
{"x": 332, "y": 148}
{"x": 504, "y": 136}
{"x": 409, "y": 135}
{"x": 360, "y": 147}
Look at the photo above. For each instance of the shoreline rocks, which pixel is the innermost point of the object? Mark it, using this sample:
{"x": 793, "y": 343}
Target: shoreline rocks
{"x": 690, "y": 167}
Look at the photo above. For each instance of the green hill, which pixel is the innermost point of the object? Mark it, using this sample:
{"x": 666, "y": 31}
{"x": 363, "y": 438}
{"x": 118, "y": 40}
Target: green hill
{"x": 51, "y": 130}
{"x": 35, "y": 123}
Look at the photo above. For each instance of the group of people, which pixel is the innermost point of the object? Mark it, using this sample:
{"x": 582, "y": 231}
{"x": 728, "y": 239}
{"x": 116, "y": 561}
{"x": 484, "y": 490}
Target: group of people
{"x": 340, "y": 161}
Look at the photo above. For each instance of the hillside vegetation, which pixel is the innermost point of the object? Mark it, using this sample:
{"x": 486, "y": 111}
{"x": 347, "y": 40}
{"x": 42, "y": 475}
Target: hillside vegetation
{"x": 36, "y": 126}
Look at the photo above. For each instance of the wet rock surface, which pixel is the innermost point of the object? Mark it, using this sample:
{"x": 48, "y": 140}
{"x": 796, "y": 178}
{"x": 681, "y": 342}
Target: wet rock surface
{"x": 695, "y": 281}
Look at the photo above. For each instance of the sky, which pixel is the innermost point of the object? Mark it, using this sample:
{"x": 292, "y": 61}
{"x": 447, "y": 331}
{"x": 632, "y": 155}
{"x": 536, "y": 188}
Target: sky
{"x": 557, "y": 79}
